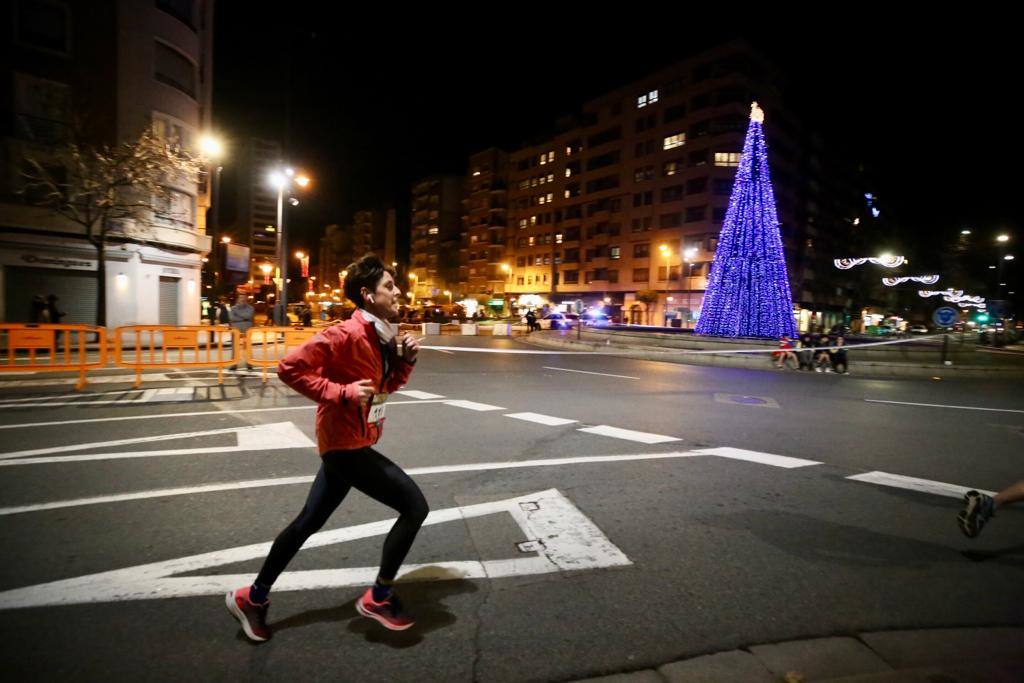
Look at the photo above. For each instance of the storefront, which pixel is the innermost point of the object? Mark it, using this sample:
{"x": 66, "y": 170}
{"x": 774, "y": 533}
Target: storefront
{"x": 145, "y": 285}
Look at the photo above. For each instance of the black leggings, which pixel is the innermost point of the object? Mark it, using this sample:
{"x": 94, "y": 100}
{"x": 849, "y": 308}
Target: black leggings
{"x": 371, "y": 473}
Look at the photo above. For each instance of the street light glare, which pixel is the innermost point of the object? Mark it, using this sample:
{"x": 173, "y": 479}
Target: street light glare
{"x": 277, "y": 180}
{"x": 300, "y": 254}
{"x": 1003, "y": 238}
{"x": 302, "y": 180}
{"x": 1008, "y": 257}
{"x": 965, "y": 232}
{"x": 211, "y": 147}
{"x": 225, "y": 239}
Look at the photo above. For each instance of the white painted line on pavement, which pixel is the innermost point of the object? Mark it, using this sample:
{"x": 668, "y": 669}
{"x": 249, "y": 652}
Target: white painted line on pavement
{"x": 284, "y": 481}
{"x": 156, "y": 493}
{"x": 776, "y": 461}
{"x": 939, "y": 405}
{"x": 899, "y": 481}
{"x": 628, "y": 434}
{"x": 568, "y": 541}
{"x": 23, "y": 425}
{"x": 418, "y": 394}
{"x": 763, "y": 458}
{"x": 585, "y": 372}
{"x": 472, "y": 349}
{"x": 36, "y": 399}
{"x": 473, "y": 405}
{"x": 542, "y": 419}
{"x": 93, "y": 379}
{"x": 256, "y": 437}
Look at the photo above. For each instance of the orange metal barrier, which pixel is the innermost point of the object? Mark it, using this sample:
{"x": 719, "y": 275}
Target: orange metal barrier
{"x": 265, "y": 346}
{"x": 197, "y": 346}
{"x": 52, "y": 348}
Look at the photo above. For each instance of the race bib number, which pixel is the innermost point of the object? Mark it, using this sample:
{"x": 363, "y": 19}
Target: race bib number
{"x": 377, "y": 408}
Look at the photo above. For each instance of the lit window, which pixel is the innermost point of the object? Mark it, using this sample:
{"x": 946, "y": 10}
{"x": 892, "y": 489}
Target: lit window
{"x": 727, "y": 158}
{"x": 671, "y": 168}
{"x": 673, "y": 141}
{"x": 551, "y": 157}
{"x": 543, "y": 159}
{"x": 568, "y": 151}
{"x": 533, "y": 220}
{"x": 432, "y": 231}
{"x": 551, "y": 177}
{"x": 567, "y": 195}
{"x": 652, "y": 97}
{"x": 641, "y": 102}
{"x": 533, "y": 182}
{"x": 558, "y": 238}
{"x": 522, "y": 223}
{"x": 568, "y": 172}
{"x": 531, "y": 240}
{"x": 551, "y": 196}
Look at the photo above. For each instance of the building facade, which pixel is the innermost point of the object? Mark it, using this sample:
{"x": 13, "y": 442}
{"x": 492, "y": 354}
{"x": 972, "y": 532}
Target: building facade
{"x": 435, "y": 237}
{"x": 621, "y": 210}
{"x": 483, "y": 269}
{"x": 100, "y": 74}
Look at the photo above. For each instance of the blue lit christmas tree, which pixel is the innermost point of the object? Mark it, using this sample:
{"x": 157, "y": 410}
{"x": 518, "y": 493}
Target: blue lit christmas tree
{"x": 748, "y": 291}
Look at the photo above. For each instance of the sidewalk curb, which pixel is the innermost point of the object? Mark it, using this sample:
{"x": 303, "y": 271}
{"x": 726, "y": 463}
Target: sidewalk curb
{"x": 758, "y": 361}
{"x": 953, "y": 655}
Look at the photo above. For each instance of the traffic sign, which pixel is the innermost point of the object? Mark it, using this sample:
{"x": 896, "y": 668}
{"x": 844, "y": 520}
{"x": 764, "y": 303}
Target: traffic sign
{"x": 945, "y": 316}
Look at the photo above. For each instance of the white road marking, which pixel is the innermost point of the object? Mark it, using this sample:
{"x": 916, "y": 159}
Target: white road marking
{"x": 763, "y": 458}
{"x": 36, "y": 399}
{"x": 473, "y": 405}
{"x": 418, "y": 394}
{"x": 565, "y": 540}
{"x": 256, "y": 437}
{"x": 92, "y": 379}
{"x": 777, "y": 461}
{"x": 585, "y": 372}
{"x": 472, "y": 349}
{"x": 541, "y": 419}
{"x": 939, "y": 405}
{"x": 628, "y": 434}
{"x": 914, "y": 484}
{"x": 23, "y": 425}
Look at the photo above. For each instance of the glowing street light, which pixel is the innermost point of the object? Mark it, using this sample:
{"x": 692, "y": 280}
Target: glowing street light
{"x": 1002, "y": 238}
{"x": 226, "y": 239}
{"x": 211, "y": 147}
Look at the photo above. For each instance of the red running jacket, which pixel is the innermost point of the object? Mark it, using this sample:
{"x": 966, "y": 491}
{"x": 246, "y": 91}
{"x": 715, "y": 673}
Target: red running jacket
{"x": 326, "y": 368}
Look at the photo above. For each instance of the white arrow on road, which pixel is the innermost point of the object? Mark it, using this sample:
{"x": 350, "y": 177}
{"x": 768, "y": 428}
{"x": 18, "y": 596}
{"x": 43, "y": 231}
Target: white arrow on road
{"x": 559, "y": 537}
{"x": 254, "y": 438}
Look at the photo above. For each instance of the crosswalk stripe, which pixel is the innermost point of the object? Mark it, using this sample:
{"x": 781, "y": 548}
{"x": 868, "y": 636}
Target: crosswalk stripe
{"x": 473, "y": 405}
{"x": 541, "y": 419}
{"x": 628, "y": 434}
{"x": 900, "y": 481}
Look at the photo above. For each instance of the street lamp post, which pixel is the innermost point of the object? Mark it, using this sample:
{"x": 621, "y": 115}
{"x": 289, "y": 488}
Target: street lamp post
{"x": 667, "y": 253}
{"x": 1001, "y": 241}
{"x": 281, "y": 180}
{"x": 212, "y": 151}
{"x": 688, "y": 256}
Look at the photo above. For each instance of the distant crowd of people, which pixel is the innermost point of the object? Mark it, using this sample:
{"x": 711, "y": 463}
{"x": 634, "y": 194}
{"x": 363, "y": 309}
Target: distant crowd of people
{"x": 821, "y": 353}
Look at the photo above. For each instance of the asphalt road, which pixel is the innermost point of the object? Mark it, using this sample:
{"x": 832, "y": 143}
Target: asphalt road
{"x": 545, "y": 559}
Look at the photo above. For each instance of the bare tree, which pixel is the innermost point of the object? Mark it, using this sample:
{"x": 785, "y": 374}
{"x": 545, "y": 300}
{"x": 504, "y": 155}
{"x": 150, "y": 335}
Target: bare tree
{"x": 114, "y": 193}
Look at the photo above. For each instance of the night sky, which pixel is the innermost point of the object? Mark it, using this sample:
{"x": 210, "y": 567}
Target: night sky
{"x": 926, "y": 104}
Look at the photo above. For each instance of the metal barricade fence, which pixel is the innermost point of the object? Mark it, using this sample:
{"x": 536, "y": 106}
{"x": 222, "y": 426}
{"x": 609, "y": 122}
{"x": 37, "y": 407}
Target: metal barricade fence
{"x": 196, "y": 346}
{"x": 52, "y": 348}
{"x": 266, "y": 346}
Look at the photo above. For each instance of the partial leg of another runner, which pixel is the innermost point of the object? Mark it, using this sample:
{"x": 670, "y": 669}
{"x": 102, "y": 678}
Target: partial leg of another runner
{"x": 979, "y": 508}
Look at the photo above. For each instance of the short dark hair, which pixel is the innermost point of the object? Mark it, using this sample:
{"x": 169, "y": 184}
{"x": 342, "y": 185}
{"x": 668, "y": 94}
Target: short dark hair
{"x": 366, "y": 272}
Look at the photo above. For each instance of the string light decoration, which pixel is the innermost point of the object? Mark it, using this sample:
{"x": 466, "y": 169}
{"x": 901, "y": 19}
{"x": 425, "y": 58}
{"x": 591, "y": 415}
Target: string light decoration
{"x": 925, "y": 293}
{"x": 923, "y": 279}
{"x": 748, "y": 291}
{"x": 887, "y": 260}
{"x": 953, "y": 296}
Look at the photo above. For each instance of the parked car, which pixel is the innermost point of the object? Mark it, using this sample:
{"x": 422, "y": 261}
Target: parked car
{"x": 918, "y": 329}
{"x": 555, "y": 321}
{"x": 596, "y": 319}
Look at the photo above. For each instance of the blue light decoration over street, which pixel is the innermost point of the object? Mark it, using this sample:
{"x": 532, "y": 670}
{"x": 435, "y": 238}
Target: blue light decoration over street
{"x": 748, "y": 291}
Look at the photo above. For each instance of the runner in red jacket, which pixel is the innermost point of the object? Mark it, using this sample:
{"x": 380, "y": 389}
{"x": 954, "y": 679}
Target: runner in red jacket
{"x": 349, "y": 369}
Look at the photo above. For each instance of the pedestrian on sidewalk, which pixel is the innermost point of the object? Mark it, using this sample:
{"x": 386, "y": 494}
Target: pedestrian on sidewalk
{"x": 349, "y": 369}
{"x": 821, "y": 358}
{"x": 979, "y": 507}
{"x": 38, "y": 313}
{"x": 240, "y": 317}
{"x": 837, "y": 356}
{"x": 806, "y": 352}
{"x": 531, "y": 321}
